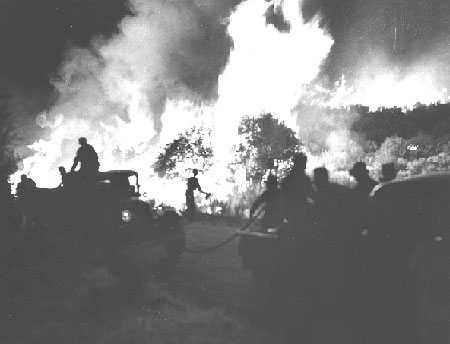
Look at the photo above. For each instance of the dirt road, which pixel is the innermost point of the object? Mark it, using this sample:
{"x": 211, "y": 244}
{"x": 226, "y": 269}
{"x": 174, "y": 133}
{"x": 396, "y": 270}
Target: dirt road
{"x": 77, "y": 297}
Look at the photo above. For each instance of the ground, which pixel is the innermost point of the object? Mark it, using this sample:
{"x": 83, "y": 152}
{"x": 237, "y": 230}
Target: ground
{"x": 75, "y": 296}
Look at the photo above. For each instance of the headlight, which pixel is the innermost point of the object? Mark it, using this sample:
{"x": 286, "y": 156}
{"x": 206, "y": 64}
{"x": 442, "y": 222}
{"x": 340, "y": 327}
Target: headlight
{"x": 365, "y": 233}
{"x": 127, "y": 216}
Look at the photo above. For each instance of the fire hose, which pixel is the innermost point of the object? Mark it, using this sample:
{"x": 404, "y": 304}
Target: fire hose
{"x": 226, "y": 241}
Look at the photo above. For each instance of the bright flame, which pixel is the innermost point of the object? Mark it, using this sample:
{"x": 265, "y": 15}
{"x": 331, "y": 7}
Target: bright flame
{"x": 267, "y": 67}
{"x": 382, "y": 85}
{"x": 116, "y": 92}
{"x": 108, "y": 98}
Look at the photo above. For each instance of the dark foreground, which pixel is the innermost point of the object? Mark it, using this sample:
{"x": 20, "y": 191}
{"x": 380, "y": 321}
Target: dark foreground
{"x": 76, "y": 295}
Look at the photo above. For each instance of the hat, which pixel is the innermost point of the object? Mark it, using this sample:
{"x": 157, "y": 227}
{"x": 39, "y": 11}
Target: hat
{"x": 388, "y": 172}
{"x": 359, "y": 169}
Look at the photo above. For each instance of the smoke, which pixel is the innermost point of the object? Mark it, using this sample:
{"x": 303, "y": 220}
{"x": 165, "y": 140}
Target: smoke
{"x": 115, "y": 90}
{"x": 401, "y": 38}
{"x": 172, "y": 61}
{"x": 164, "y": 50}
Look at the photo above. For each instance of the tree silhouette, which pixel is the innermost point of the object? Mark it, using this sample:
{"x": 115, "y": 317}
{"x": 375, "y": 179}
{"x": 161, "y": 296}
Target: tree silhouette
{"x": 192, "y": 149}
{"x": 265, "y": 140}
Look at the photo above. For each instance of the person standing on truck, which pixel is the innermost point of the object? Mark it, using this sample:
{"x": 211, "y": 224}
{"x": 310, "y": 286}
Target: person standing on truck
{"x": 192, "y": 185}
{"x": 87, "y": 158}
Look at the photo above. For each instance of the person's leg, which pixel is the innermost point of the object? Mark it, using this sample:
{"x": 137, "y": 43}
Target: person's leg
{"x": 191, "y": 208}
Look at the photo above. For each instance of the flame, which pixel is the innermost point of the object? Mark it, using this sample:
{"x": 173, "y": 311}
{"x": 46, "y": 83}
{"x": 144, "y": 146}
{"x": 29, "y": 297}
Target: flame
{"x": 105, "y": 96}
{"x": 389, "y": 91}
{"x": 120, "y": 95}
{"x": 267, "y": 67}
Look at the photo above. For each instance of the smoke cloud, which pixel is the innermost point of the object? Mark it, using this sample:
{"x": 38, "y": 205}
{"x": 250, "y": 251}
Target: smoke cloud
{"x": 398, "y": 35}
{"x": 115, "y": 90}
{"x": 164, "y": 50}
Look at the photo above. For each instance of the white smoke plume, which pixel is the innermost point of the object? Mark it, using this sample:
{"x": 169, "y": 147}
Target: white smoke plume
{"x": 115, "y": 92}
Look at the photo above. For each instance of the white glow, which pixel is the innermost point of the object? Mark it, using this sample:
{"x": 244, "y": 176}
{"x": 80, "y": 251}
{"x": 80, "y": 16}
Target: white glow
{"x": 382, "y": 85}
{"x": 267, "y": 68}
{"x": 113, "y": 93}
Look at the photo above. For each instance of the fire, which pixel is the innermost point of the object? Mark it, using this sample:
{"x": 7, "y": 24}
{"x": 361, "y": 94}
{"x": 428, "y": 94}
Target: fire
{"x": 390, "y": 90}
{"x": 267, "y": 68}
{"x": 121, "y": 96}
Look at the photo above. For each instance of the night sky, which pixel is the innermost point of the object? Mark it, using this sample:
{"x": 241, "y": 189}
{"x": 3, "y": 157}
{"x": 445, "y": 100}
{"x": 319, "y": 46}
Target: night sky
{"x": 34, "y": 34}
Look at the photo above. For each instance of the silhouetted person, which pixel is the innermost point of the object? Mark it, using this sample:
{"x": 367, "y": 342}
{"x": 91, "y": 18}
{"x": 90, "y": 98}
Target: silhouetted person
{"x": 297, "y": 242}
{"x": 192, "y": 185}
{"x": 331, "y": 201}
{"x": 260, "y": 254}
{"x": 64, "y": 176}
{"x": 70, "y": 182}
{"x": 87, "y": 158}
{"x": 364, "y": 184}
{"x": 296, "y": 188}
{"x": 388, "y": 172}
{"x": 332, "y": 206}
{"x": 272, "y": 202}
{"x": 26, "y": 192}
{"x": 360, "y": 212}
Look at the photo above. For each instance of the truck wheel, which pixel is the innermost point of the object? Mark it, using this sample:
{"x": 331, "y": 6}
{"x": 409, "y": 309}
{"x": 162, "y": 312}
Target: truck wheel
{"x": 174, "y": 238}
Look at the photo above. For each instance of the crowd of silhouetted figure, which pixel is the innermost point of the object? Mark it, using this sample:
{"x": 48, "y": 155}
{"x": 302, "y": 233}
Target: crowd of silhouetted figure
{"x": 319, "y": 226}
{"x": 299, "y": 201}
{"x": 319, "y": 255}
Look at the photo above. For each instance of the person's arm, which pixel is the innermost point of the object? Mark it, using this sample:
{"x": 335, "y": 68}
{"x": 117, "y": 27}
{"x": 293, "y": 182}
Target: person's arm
{"x": 199, "y": 188}
{"x": 257, "y": 204}
{"x": 75, "y": 163}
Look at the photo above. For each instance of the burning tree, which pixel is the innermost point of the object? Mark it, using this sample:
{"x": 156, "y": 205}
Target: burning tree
{"x": 266, "y": 140}
{"x": 192, "y": 149}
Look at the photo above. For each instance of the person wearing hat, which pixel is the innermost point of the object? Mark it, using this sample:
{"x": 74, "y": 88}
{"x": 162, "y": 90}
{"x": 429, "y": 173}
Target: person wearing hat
{"x": 364, "y": 184}
{"x": 192, "y": 185}
{"x": 388, "y": 172}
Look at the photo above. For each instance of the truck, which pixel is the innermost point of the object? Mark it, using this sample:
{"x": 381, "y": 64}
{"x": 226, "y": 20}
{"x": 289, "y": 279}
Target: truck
{"x": 106, "y": 211}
